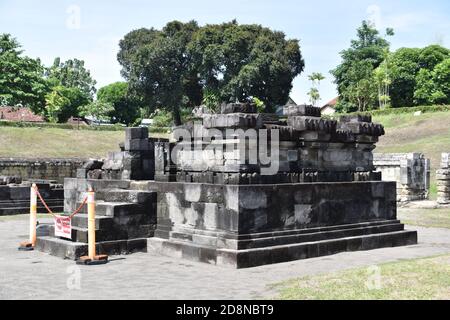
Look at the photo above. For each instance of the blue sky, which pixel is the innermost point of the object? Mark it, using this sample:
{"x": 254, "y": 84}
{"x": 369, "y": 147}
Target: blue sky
{"x": 90, "y": 30}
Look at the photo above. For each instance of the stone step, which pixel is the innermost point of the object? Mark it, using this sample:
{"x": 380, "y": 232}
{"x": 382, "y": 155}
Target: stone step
{"x": 113, "y": 209}
{"x": 129, "y": 196}
{"x": 22, "y": 210}
{"x": 26, "y": 203}
{"x": 118, "y": 209}
{"x": 260, "y": 242}
{"x": 73, "y": 250}
{"x": 80, "y": 234}
{"x": 101, "y": 222}
{"x": 318, "y": 236}
{"x": 280, "y": 253}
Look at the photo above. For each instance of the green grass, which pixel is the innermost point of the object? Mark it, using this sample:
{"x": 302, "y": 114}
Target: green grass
{"x": 58, "y": 143}
{"x": 437, "y": 218}
{"x": 428, "y": 133}
{"x": 427, "y": 278}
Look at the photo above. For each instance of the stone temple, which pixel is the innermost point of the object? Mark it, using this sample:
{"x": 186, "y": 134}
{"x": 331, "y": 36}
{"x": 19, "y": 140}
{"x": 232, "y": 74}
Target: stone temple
{"x": 240, "y": 188}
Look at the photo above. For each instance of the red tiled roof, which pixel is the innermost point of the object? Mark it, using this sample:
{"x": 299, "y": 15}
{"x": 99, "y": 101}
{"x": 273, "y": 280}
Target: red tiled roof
{"x": 19, "y": 114}
{"x": 330, "y": 103}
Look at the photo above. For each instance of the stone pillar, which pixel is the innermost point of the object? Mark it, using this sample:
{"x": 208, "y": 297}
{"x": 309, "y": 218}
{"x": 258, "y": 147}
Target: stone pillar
{"x": 443, "y": 180}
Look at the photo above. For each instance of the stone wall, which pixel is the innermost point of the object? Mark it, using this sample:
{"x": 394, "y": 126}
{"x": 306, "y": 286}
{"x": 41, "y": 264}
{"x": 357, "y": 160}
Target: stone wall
{"x": 15, "y": 195}
{"x": 443, "y": 180}
{"x": 411, "y": 171}
{"x": 49, "y": 169}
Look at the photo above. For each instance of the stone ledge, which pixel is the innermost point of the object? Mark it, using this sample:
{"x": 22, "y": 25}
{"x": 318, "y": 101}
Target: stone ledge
{"x": 277, "y": 254}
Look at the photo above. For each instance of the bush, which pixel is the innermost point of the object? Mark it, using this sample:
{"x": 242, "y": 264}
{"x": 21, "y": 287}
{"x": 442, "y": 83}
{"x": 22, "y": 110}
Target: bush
{"x": 423, "y": 109}
{"x": 21, "y": 124}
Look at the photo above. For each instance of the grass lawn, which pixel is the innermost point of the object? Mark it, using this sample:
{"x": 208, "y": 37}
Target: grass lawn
{"x": 437, "y": 218}
{"x": 426, "y": 278}
{"x": 58, "y": 143}
{"x": 428, "y": 133}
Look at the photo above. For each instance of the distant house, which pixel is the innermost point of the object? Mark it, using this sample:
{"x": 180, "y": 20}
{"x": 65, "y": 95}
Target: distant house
{"x": 279, "y": 109}
{"x": 329, "y": 107}
{"x": 19, "y": 114}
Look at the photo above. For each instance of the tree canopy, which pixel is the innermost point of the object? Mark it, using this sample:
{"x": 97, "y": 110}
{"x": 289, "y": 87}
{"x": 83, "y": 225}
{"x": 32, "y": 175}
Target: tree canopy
{"x": 177, "y": 66}
{"x": 21, "y": 77}
{"x": 125, "y": 108}
{"x": 365, "y": 54}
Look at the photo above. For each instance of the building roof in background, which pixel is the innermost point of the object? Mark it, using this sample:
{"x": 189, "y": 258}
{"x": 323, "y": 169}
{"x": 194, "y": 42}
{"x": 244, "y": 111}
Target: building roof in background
{"x": 330, "y": 103}
{"x": 19, "y": 114}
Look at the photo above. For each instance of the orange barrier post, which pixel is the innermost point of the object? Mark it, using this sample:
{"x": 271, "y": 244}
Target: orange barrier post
{"x": 27, "y": 246}
{"x": 92, "y": 257}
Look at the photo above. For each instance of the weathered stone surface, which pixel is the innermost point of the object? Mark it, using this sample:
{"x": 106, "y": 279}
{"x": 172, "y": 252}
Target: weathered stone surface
{"x": 356, "y": 118}
{"x": 232, "y": 120}
{"x": 238, "y": 108}
{"x": 411, "y": 171}
{"x": 136, "y": 133}
{"x": 305, "y": 123}
{"x": 301, "y": 110}
{"x": 45, "y": 168}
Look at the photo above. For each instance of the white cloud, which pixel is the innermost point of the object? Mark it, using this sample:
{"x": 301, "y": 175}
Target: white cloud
{"x": 399, "y": 21}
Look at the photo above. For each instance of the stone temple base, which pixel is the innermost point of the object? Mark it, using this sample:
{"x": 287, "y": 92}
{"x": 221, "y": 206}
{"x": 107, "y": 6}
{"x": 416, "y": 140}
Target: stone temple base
{"x": 250, "y": 225}
{"x": 245, "y": 258}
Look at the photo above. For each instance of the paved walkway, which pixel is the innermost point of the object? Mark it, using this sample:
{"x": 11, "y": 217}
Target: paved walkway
{"x": 34, "y": 275}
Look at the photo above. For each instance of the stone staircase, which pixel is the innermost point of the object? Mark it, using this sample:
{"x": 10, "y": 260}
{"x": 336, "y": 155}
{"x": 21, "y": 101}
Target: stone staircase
{"x": 124, "y": 220}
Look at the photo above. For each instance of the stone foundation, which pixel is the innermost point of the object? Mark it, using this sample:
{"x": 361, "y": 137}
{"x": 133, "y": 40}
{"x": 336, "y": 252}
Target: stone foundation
{"x": 48, "y": 169}
{"x": 245, "y": 226}
{"x": 443, "y": 180}
{"x": 15, "y": 195}
{"x": 411, "y": 171}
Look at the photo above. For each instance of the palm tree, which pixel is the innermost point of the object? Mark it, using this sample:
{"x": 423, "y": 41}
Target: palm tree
{"x": 313, "y": 94}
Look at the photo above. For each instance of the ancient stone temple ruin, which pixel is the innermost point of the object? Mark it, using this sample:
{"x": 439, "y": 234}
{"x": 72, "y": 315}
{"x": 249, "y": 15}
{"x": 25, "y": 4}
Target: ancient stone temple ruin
{"x": 443, "y": 180}
{"x": 241, "y": 188}
{"x": 411, "y": 171}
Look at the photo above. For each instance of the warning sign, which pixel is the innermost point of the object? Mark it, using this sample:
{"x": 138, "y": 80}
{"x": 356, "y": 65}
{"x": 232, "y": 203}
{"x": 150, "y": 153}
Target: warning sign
{"x": 63, "y": 227}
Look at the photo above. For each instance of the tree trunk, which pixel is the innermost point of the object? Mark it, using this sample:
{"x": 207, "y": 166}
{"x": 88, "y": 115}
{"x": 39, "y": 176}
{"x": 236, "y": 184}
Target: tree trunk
{"x": 176, "y": 116}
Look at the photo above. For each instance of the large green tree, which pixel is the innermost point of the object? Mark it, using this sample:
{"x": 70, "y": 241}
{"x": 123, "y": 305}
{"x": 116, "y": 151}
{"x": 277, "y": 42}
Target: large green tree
{"x": 21, "y": 78}
{"x": 367, "y": 51}
{"x": 433, "y": 87}
{"x": 409, "y": 66}
{"x": 239, "y": 62}
{"x": 72, "y": 74}
{"x": 404, "y": 66}
{"x": 178, "y": 66}
{"x": 63, "y": 102}
{"x": 125, "y": 106}
{"x": 157, "y": 67}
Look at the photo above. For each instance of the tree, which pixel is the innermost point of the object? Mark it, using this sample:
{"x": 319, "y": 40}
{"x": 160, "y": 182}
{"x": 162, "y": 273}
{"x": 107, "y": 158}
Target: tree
{"x": 63, "y": 102}
{"x": 383, "y": 81}
{"x": 125, "y": 106}
{"x": 368, "y": 52}
{"x": 313, "y": 93}
{"x": 314, "y": 96}
{"x": 157, "y": 67}
{"x": 243, "y": 61}
{"x": 404, "y": 66}
{"x": 432, "y": 55}
{"x": 316, "y": 77}
{"x": 433, "y": 87}
{"x": 21, "y": 78}
{"x": 362, "y": 88}
{"x": 72, "y": 74}
{"x": 99, "y": 110}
